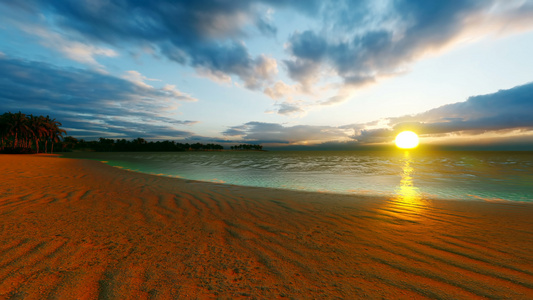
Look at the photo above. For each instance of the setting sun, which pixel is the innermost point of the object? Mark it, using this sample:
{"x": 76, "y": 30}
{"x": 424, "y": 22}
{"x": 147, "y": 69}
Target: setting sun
{"x": 407, "y": 140}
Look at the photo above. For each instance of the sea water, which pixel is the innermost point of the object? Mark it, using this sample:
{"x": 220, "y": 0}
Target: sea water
{"x": 410, "y": 173}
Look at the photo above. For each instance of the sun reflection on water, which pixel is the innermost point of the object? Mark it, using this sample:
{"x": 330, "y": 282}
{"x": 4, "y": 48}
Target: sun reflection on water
{"x": 407, "y": 193}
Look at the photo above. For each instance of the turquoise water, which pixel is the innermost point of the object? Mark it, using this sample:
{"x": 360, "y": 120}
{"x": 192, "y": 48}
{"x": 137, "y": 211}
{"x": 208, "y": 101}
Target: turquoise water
{"x": 411, "y": 174}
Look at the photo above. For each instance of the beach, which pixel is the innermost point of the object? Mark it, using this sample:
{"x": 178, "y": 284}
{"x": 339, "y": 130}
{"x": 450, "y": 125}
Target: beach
{"x": 80, "y": 229}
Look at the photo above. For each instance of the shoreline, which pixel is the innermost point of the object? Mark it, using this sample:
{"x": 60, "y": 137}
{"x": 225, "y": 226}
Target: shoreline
{"x": 355, "y": 192}
{"x": 79, "y": 228}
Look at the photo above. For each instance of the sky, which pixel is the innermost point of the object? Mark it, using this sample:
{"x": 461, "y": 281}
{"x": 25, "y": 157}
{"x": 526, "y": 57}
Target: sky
{"x": 330, "y": 74}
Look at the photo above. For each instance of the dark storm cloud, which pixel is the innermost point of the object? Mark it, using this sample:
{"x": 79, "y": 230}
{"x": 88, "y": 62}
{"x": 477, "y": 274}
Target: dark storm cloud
{"x": 88, "y": 100}
{"x": 504, "y": 110}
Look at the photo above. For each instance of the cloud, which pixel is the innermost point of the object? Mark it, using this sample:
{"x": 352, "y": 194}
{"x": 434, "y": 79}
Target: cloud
{"x": 362, "y": 43}
{"x": 77, "y": 51}
{"x": 506, "y": 110}
{"x": 266, "y": 25}
{"x": 362, "y": 51}
{"x": 204, "y": 34}
{"x": 304, "y": 71}
{"x": 263, "y": 71}
{"x": 91, "y": 101}
{"x": 290, "y": 109}
{"x": 345, "y": 46}
{"x": 279, "y": 90}
{"x": 503, "y": 110}
{"x": 276, "y": 133}
{"x": 81, "y": 52}
{"x": 501, "y": 116}
{"x": 308, "y": 46}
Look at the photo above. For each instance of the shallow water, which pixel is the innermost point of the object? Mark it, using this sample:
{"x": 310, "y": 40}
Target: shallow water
{"x": 406, "y": 174}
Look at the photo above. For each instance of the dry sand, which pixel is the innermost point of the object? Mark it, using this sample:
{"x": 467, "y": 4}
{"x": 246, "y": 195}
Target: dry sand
{"x": 81, "y": 229}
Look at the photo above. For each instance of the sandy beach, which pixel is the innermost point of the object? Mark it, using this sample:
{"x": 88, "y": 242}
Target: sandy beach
{"x": 80, "y": 229}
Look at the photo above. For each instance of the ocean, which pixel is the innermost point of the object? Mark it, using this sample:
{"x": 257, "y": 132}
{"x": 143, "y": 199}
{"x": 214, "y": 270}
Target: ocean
{"x": 407, "y": 174}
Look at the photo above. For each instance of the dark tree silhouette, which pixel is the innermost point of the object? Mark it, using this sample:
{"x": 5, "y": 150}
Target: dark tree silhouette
{"x": 141, "y": 145}
{"x": 18, "y": 131}
{"x": 247, "y": 147}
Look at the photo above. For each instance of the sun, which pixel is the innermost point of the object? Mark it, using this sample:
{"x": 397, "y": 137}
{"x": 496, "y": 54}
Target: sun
{"x": 406, "y": 140}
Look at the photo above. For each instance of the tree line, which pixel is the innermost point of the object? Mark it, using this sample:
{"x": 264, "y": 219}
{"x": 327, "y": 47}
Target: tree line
{"x": 21, "y": 133}
{"x": 138, "y": 144}
{"x": 247, "y": 147}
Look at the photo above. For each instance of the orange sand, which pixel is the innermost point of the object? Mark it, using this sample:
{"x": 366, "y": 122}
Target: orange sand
{"x": 80, "y": 229}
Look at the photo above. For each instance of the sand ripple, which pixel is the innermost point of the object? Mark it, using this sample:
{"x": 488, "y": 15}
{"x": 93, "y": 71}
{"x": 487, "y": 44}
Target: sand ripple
{"x": 74, "y": 229}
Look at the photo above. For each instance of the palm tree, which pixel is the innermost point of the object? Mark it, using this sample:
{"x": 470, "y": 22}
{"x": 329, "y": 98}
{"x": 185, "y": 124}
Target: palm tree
{"x": 48, "y": 128}
{"x": 18, "y": 127}
{"x": 3, "y": 129}
{"x": 70, "y": 142}
{"x": 38, "y": 127}
{"x": 18, "y": 130}
{"x": 54, "y": 132}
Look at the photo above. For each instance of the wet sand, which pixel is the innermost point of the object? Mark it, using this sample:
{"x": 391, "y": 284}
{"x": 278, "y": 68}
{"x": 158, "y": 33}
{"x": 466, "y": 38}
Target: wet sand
{"x": 79, "y": 229}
